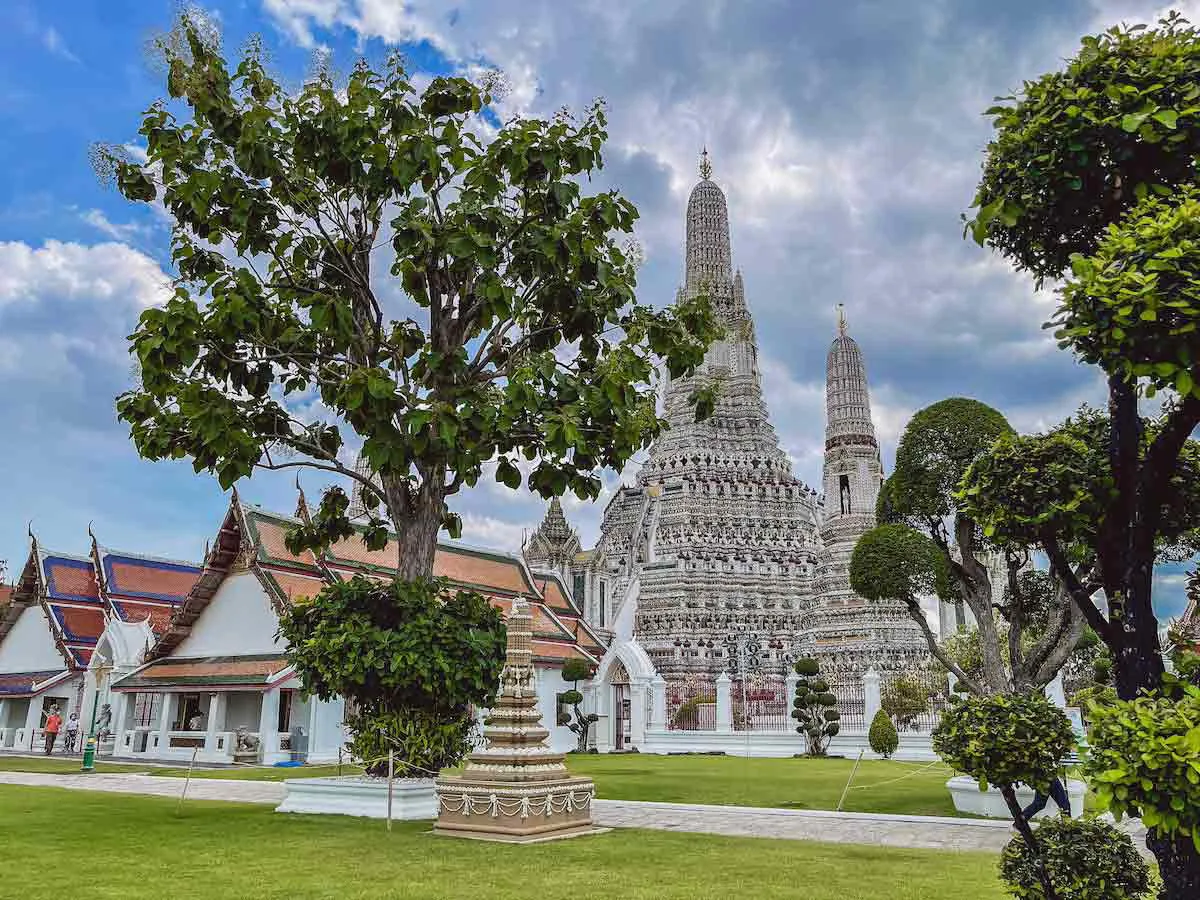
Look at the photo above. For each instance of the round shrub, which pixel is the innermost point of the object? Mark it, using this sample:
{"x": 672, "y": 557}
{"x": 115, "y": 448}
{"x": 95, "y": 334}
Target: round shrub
{"x": 572, "y": 697}
{"x": 1143, "y": 758}
{"x": 1086, "y": 859}
{"x": 807, "y": 667}
{"x": 883, "y": 737}
{"x": 1004, "y": 739}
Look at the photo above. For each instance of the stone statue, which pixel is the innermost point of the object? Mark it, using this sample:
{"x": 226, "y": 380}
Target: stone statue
{"x": 246, "y": 742}
{"x": 104, "y": 722}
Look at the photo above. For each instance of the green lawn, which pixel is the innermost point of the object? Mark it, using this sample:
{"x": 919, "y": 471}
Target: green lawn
{"x": 261, "y": 773}
{"x": 879, "y": 785}
{"x": 134, "y": 847}
{"x": 60, "y": 765}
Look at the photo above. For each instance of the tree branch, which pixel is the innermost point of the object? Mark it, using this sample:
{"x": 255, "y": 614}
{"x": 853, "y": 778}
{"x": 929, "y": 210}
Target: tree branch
{"x": 918, "y": 615}
{"x": 1082, "y": 596}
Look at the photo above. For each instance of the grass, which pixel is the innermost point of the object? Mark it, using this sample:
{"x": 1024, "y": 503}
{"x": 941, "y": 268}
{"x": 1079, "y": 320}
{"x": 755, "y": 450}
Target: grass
{"x": 879, "y": 786}
{"x": 61, "y": 765}
{"x": 135, "y": 847}
{"x": 261, "y": 773}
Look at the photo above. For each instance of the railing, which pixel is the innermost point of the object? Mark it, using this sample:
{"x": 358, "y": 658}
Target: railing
{"x": 852, "y": 702}
{"x": 915, "y": 700}
{"x": 692, "y": 706}
{"x": 764, "y": 705}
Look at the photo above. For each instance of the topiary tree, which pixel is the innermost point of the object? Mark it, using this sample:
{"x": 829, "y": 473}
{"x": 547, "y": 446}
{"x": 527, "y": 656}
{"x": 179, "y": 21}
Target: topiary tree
{"x": 1006, "y": 740}
{"x": 575, "y": 671}
{"x": 1025, "y": 639}
{"x": 903, "y": 700}
{"x": 893, "y": 562}
{"x": 882, "y": 735}
{"x": 1090, "y": 860}
{"x": 1070, "y": 186}
{"x": 413, "y": 657}
{"x": 358, "y": 262}
{"x": 1145, "y": 759}
{"x": 814, "y": 707}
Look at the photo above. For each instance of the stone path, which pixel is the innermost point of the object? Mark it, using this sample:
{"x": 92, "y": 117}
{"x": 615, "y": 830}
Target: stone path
{"x": 198, "y": 789}
{"x": 813, "y": 825}
{"x": 926, "y": 832}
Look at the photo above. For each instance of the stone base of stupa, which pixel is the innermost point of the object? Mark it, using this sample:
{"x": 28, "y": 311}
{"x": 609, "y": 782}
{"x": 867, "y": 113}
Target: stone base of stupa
{"x": 518, "y": 813}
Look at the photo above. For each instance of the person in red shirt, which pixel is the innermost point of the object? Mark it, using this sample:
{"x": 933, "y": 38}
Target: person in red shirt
{"x": 53, "y": 724}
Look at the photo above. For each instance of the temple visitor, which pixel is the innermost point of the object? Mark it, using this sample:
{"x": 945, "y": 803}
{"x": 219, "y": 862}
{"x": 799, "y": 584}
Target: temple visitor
{"x": 53, "y": 724}
{"x": 1058, "y": 792}
{"x": 72, "y": 733}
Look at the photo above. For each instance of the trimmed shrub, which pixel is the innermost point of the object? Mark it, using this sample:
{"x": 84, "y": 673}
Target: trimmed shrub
{"x": 883, "y": 736}
{"x": 1087, "y": 860}
{"x": 815, "y": 707}
{"x": 1005, "y": 739}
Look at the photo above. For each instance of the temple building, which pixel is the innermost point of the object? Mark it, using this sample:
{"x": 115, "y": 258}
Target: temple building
{"x": 717, "y": 558}
{"x": 69, "y": 625}
{"x": 174, "y": 660}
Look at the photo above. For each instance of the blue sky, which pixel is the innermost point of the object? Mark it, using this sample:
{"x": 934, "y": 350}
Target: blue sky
{"x": 847, "y": 137}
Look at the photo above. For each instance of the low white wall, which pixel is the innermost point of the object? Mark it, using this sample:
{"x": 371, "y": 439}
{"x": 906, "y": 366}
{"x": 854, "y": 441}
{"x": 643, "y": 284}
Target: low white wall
{"x": 914, "y": 747}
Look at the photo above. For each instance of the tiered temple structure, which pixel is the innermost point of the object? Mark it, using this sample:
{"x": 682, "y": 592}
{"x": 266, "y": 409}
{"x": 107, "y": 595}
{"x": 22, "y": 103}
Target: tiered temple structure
{"x": 717, "y": 550}
{"x": 848, "y": 633}
{"x": 515, "y": 788}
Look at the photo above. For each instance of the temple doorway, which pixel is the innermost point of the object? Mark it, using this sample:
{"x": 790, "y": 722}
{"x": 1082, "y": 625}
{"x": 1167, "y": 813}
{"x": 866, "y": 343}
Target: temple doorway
{"x": 618, "y": 677}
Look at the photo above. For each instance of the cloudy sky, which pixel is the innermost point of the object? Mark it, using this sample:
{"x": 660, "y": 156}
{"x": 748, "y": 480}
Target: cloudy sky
{"x": 847, "y": 137}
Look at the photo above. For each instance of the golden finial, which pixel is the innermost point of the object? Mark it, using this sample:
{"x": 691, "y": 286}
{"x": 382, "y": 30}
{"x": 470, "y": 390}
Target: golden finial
{"x": 841, "y": 307}
{"x": 705, "y": 165}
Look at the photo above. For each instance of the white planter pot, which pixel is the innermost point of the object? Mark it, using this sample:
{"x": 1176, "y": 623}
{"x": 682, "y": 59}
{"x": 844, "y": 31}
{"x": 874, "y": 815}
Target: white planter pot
{"x": 358, "y": 795}
{"x": 969, "y": 799}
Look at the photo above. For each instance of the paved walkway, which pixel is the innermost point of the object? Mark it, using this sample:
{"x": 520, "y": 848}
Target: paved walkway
{"x": 926, "y": 832}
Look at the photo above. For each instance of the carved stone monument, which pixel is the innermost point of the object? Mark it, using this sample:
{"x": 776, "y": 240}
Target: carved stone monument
{"x": 515, "y": 788}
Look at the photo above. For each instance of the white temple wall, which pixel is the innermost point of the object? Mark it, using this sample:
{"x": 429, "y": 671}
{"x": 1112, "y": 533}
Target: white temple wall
{"x": 239, "y": 621}
{"x": 242, "y": 709}
{"x": 549, "y": 684}
{"x": 30, "y": 646}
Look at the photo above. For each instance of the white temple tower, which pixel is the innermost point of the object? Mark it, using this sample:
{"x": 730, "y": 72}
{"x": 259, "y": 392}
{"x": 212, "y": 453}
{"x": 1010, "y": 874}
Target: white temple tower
{"x": 850, "y": 633}
{"x": 717, "y": 536}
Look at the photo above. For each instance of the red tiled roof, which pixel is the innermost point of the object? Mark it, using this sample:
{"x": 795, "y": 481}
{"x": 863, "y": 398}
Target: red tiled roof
{"x": 79, "y": 623}
{"x": 137, "y": 578}
{"x": 22, "y": 683}
{"x": 132, "y": 611}
{"x": 552, "y": 652}
{"x": 271, "y": 533}
{"x": 555, "y": 598}
{"x": 6, "y": 592}
{"x": 70, "y": 579}
{"x": 292, "y": 586}
{"x": 250, "y": 670}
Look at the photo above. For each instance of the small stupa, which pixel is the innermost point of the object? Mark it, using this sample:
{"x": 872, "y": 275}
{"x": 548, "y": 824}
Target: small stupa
{"x": 515, "y": 788}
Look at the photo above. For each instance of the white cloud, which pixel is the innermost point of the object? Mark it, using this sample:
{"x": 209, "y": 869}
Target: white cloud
{"x": 109, "y": 273}
{"x": 118, "y": 231}
{"x": 488, "y": 531}
{"x": 53, "y": 41}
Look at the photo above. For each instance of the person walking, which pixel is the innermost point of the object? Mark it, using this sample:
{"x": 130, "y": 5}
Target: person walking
{"x": 53, "y": 725}
{"x": 1058, "y": 792}
{"x": 72, "y": 733}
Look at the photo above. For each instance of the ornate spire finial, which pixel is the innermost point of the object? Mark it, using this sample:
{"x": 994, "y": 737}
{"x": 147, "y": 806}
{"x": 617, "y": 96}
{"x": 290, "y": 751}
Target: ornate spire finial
{"x": 841, "y": 307}
{"x": 705, "y": 165}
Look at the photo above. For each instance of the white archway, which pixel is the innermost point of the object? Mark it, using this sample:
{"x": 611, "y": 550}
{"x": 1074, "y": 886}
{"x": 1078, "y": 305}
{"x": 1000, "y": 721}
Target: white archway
{"x": 620, "y": 696}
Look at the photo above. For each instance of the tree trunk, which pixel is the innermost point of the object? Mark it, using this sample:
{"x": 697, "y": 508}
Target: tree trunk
{"x": 1178, "y": 864}
{"x": 417, "y": 517}
{"x": 1022, "y": 824}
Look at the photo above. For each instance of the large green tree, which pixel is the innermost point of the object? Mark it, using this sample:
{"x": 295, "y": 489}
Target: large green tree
{"x": 1025, "y": 636}
{"x": 1069, "y": 188}
{"x": 357, "y": 262}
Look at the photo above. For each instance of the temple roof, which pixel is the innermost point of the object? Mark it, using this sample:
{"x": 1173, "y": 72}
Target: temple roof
{"x": 255, "y": 671}
{"x": 254, "y": 539}
{"x": 29, "y": 684}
